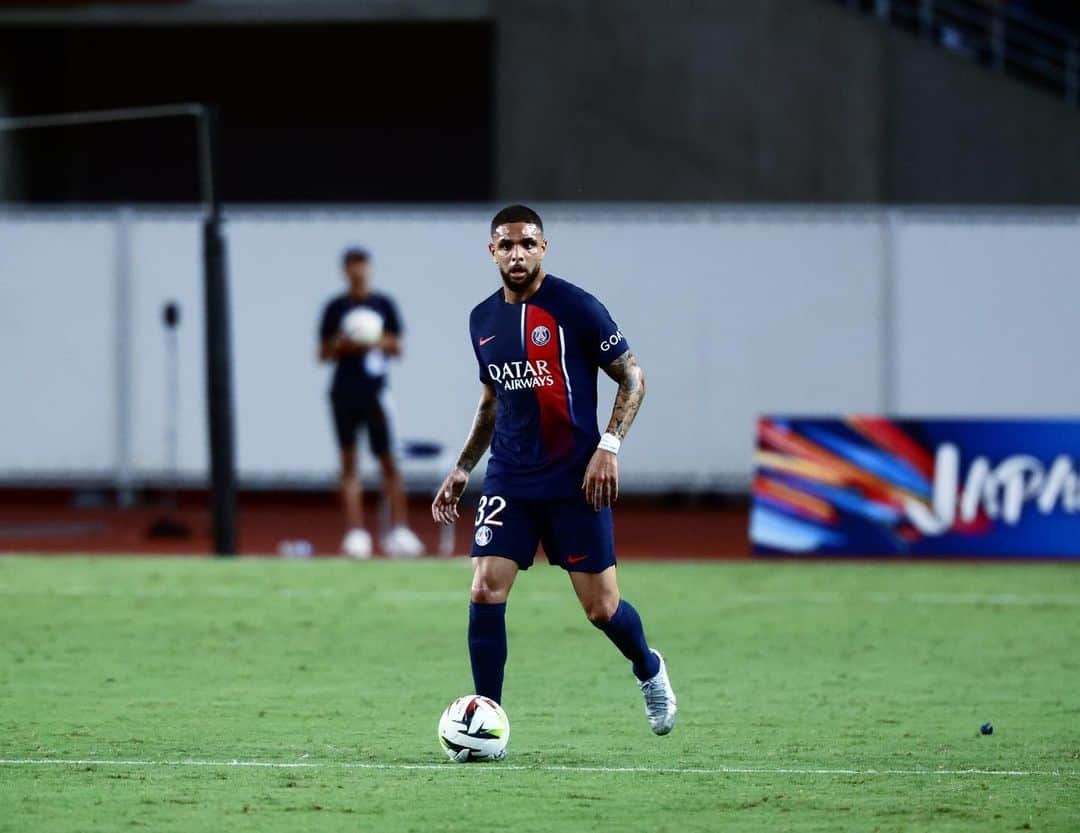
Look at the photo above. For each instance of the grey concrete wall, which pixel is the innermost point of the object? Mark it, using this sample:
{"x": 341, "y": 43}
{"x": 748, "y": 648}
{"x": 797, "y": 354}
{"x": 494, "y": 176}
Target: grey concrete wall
{"x": 959, "y": 133}
{"x": 775, "y": 100}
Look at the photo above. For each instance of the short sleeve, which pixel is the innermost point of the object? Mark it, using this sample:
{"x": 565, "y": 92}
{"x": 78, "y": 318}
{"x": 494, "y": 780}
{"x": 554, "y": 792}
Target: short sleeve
{"x": 392, "y": 318}
{"x": 331, "y": 321}
{"x": 485, "y": 376}
{"x": 603, "y": 340}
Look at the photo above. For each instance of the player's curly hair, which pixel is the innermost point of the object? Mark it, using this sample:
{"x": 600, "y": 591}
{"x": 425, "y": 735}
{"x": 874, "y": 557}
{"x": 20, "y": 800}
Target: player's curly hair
{"x": 516, "y": 214}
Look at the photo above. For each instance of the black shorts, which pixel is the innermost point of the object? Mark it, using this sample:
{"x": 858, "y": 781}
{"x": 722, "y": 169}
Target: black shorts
{"x": 575, "y": 536}
{"x": 352, "y": 413}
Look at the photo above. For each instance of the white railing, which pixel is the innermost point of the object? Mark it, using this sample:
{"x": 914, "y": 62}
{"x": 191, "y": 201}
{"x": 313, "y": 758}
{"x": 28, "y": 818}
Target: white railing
{"x": 1002, "y": 36}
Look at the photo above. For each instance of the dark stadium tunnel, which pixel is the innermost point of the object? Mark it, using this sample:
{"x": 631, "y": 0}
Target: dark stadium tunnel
{"x": 374, "y": 112}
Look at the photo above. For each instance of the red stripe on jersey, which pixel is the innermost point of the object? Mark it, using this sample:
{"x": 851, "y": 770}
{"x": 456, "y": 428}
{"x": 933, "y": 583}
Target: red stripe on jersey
{"x": 556, "y": 431}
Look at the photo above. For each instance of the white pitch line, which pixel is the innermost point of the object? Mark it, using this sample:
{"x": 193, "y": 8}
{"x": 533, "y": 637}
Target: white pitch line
{"x": 448, "y": 767}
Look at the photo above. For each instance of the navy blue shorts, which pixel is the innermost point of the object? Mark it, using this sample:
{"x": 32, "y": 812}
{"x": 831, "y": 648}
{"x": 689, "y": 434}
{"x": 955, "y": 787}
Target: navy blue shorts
{"x": 575, "y": 536}
{"x": 355, "y": 413}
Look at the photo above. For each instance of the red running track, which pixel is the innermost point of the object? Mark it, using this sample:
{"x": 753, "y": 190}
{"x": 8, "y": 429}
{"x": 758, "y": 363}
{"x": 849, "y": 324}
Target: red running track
{"x": 47, "y": 522}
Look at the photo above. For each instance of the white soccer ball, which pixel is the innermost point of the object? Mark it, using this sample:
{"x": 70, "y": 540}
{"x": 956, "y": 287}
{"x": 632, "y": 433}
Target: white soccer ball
{"x": 363, "y": 326}
{"x": 474, "y": 728}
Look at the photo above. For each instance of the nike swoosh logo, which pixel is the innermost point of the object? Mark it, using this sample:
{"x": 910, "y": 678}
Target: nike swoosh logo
{"x": 575, "y": 559}
{"x": 484, "y": 341}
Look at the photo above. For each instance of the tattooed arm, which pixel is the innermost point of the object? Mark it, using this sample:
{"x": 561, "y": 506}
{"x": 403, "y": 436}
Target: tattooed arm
{"x": 483, "y": 428}
{"x": 601, "y": 482}
{"x": 627, "y": 373}
{"x": 444, "y": 508}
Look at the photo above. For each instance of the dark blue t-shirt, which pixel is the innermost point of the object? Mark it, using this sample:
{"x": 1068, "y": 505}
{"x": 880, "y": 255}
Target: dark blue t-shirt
{"x": 541, "y": 357}
{"x": 365, "y": 374}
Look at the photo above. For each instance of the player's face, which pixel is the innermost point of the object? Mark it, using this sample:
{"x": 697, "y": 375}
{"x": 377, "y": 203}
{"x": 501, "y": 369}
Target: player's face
{"x": 518, "y": 250}
{"x": 358, "y": 274}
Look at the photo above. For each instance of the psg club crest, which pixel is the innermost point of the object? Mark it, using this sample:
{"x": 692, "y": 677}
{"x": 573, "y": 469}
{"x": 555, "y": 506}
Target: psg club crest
{"x": 541, "y": 335}
{"x": 483, "y": 536}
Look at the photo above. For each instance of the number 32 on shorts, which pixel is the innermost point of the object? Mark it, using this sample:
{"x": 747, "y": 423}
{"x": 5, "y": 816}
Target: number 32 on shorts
{"x": 489, "y": 509}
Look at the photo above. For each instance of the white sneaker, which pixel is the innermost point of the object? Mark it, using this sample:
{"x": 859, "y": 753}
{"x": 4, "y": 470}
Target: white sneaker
{"x": 660, "y": 704}
{"x": 357, "y": 544}
{"x": 401, "y": 542}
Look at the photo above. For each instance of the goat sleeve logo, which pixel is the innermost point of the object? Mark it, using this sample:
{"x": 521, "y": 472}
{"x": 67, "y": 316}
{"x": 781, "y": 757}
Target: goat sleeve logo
{"x": 611, "y": 341}
{"x": 541, "y": 335}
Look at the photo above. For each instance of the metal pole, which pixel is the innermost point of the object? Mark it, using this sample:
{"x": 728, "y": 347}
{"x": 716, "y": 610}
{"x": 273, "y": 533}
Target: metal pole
{"x": 85, "y": 117}
{"x": 218, "y": 359}
{"x": 168, "y": 526}
{"x": 215, "y": 279}
{"x": 172, "y": 402}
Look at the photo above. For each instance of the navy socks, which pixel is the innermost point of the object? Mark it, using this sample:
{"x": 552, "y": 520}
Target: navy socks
{"x": 487, "y": 645}
{"x": 487, "y": 648}
{"x": 625, "y": 630}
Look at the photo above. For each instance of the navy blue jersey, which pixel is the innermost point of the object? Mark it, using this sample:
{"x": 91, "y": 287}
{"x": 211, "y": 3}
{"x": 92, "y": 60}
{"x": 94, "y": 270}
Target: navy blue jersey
{"x": 364, "y": 374}
{"x": 541, "y": 357}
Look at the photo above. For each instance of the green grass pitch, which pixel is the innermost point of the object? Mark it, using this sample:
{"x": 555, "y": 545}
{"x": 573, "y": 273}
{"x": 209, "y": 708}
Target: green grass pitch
{"x": 812, "y": 697}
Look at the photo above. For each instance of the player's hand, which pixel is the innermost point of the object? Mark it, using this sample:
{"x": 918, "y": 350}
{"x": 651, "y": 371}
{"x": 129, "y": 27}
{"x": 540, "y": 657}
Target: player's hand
{"x": 444, "y": 509}
{"x": 345, "y": 346}
{"x": 601, "y": 482}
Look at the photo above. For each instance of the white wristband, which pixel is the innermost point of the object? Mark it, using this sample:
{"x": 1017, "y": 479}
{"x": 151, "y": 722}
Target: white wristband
{"x": 609, "y": 442}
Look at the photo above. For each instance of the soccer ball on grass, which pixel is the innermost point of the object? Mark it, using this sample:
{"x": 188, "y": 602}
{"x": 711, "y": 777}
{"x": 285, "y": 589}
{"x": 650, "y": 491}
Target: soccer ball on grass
{"x": 474, "y": 728}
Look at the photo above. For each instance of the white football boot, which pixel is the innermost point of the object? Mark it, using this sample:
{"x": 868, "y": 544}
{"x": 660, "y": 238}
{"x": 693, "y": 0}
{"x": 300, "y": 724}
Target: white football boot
{"x": 660, "y": 704}
{"x": 357, "y": 544}
{"x": 401, "y": 542}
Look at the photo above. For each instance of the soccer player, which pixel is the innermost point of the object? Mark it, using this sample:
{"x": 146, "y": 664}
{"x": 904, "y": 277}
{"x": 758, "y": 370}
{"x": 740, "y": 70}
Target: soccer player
{"x": 357, "y": 399}
{"x": 552, "y": 478}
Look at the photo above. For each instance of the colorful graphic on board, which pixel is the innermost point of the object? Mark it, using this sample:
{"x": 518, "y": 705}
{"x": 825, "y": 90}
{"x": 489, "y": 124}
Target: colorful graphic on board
{"x": 870, "y": 485}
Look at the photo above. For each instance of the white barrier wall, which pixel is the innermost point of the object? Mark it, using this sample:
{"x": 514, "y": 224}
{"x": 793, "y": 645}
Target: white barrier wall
{"x": 732, "y": 313}
{"x": 57, "y": 356}
{"x": 986, "y": 315}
